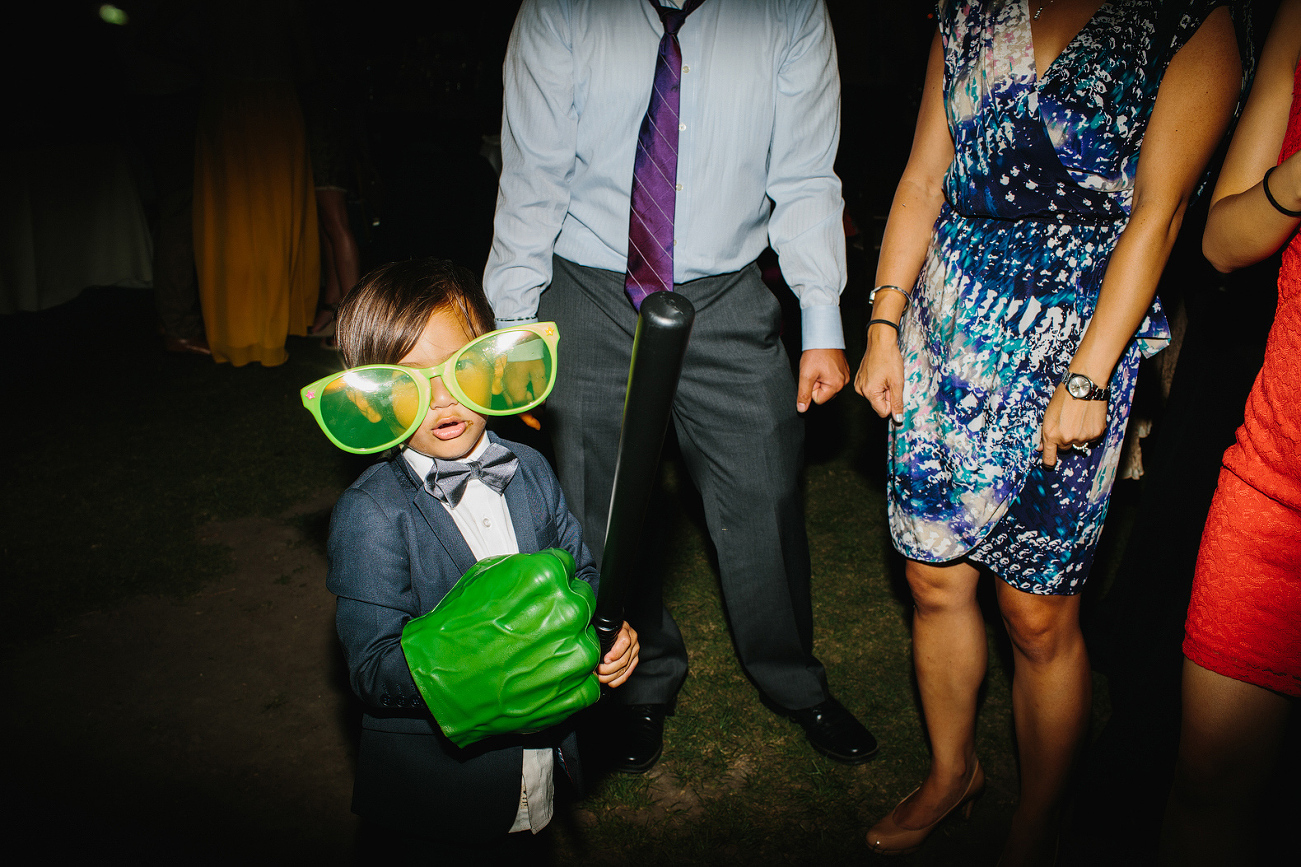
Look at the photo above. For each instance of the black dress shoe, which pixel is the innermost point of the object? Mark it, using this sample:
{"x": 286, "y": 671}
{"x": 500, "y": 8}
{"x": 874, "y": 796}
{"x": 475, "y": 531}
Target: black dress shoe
{"x": 835, "y": 733}
{"x": 641, "y": 739}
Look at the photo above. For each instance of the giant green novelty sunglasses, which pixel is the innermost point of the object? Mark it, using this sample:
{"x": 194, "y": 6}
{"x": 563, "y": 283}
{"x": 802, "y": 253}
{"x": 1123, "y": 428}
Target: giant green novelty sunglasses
{"x": 371, "y": 408}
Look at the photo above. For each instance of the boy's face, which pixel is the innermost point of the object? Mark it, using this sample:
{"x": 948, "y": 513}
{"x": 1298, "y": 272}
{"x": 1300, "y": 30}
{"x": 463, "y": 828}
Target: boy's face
{"x": 449, "y": 431}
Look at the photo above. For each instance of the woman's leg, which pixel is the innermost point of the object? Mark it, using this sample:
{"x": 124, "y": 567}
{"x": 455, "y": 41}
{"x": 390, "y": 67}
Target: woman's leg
{"x": 332, "y": 206}
{"x": 949, "y": 653}
{"x": 330, "y": 294}
{"x": 1051, "y": 694}
{"x": 1231, "y": 736}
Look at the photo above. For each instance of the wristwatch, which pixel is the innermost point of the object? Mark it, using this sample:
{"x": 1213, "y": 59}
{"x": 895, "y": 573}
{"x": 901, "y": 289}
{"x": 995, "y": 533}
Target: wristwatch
{"x": 1081, "y": 387}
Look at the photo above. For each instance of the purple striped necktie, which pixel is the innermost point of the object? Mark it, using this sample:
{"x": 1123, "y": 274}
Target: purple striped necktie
{"x": 655, "y": 170}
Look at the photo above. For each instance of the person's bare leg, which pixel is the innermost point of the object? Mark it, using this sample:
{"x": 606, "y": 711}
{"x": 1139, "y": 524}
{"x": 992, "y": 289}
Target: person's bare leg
{"x": 950, "y": 654}
{"x": 332, "y": 206}
{"x": 1230, "y": 739}
{"x": 330, "y": 295}
{"x": 1051, "y": 694}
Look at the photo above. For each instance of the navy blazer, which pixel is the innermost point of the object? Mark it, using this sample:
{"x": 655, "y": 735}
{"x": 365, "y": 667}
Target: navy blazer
{"x": 394, "y": 553}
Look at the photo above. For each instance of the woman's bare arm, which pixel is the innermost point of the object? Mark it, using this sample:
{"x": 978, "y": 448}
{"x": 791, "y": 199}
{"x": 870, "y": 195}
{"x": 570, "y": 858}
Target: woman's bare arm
{"x": 1243, "y": 227}
{"x": 916, "y": 205}
{"x": 1192, "y": 112}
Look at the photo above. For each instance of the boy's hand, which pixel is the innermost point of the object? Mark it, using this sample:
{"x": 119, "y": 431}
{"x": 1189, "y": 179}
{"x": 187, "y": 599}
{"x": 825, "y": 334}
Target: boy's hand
{"x": 619, "y": 663}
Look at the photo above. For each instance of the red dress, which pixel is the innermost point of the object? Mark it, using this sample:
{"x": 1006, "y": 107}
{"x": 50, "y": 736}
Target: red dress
{"x": 1245, "y": 617}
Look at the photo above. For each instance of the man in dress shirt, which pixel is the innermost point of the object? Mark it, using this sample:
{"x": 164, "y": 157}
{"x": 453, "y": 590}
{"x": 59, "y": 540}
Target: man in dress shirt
{"x": 759, "y": 127}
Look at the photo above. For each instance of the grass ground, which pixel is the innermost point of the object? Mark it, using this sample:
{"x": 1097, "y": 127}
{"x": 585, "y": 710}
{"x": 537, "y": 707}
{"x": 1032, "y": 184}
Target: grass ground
{"x": 121, "y": 455}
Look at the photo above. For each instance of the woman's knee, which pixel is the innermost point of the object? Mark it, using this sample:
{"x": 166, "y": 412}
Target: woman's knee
{"x": 1229, "y": 738}
{"x": 937, "y": 589}
{"x": 1041, "y": 628}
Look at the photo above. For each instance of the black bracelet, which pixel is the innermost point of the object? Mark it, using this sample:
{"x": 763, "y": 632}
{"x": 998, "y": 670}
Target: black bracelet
{"x": 893, "y": 325}
{"x": 1273, "y": 201}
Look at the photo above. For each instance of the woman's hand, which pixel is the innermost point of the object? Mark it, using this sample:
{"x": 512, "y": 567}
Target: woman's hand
{"x": 880, "y": 376}
{"x": 1070, "y": 422}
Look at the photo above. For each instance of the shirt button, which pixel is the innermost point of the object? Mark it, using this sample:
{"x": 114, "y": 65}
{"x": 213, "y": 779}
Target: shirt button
{"x": 678, "y": 188}
{"x": 675, "y": 242}
{"x": 686, "y": 69}
{"x": 681, "y": 127}
{"x": 487, "y": 522}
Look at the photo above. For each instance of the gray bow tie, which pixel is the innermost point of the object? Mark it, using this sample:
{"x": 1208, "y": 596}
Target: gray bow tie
{"x": 495, "y": 468}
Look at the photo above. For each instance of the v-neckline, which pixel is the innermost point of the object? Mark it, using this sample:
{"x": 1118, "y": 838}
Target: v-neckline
{"x": 1029, "y": 32}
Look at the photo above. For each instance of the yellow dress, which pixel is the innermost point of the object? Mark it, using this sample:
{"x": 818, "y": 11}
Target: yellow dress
{"x": 255, "y": 240}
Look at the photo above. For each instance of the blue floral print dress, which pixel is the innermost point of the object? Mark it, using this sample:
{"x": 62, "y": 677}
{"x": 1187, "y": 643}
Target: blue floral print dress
{"x": 1037, "y": 195}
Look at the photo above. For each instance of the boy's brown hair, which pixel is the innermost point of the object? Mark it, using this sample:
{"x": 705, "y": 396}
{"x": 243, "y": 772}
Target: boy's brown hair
{"x": 382, "y": 317}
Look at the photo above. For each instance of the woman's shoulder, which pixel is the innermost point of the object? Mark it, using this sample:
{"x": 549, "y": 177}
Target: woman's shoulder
{"x": 966, "y": 23}
{"x": 948, "y": 12}
{"x": 1179, "y": 20}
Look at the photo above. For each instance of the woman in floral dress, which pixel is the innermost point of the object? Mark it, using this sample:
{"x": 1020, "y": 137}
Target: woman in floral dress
{"x": 1018, "y": 272}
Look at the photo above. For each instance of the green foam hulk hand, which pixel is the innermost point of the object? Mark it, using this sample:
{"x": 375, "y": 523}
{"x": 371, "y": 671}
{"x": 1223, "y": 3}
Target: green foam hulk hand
{"x": 509, "y": 649}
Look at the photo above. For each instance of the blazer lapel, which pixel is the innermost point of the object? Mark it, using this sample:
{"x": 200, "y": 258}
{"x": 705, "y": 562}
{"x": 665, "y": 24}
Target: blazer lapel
{"x": 521, "y": 515}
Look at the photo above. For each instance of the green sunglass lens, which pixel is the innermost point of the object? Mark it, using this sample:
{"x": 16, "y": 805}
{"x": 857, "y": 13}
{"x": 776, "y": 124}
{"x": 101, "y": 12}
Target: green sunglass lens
{"x": 508, "y": 372}
{"x": 370, "y": 409}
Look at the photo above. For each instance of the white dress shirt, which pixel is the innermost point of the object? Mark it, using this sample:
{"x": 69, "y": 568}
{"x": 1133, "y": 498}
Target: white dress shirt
{"x": 483, "y": 518}
{"x": 760, "y": 124}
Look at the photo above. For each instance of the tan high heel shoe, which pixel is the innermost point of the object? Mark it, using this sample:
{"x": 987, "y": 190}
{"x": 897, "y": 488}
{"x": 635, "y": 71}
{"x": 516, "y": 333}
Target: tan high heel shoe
{"x": 888, "y": 837}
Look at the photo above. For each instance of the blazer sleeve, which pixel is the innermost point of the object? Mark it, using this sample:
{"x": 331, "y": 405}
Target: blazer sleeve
{"x": 555, "y": 525}
{"x": 370, "y": 572}
{"x": 571, "y": 539}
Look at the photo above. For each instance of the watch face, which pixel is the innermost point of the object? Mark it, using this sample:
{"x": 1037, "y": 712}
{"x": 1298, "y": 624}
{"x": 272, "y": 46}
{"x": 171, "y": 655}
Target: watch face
{"x": 1079, "y": 386}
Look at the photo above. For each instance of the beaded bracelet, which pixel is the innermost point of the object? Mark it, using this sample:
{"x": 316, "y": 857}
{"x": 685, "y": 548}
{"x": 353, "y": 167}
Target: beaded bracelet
{"x": 1273, "y": 201}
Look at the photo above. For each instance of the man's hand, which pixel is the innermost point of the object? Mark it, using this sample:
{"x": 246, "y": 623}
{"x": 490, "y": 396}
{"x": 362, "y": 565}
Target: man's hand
{"x": 823, "y": 373}
{"x": 520, "y": 381}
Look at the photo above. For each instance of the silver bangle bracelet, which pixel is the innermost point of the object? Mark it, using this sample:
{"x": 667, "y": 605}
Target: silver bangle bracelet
{"x": 871, "y": 297}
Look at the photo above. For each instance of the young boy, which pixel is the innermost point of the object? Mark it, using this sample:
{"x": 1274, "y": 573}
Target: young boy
{"x": 397, "y": 546}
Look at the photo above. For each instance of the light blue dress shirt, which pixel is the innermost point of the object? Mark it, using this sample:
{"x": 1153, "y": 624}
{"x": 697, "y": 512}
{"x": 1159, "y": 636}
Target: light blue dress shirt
{"x": 760, "y": 123}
